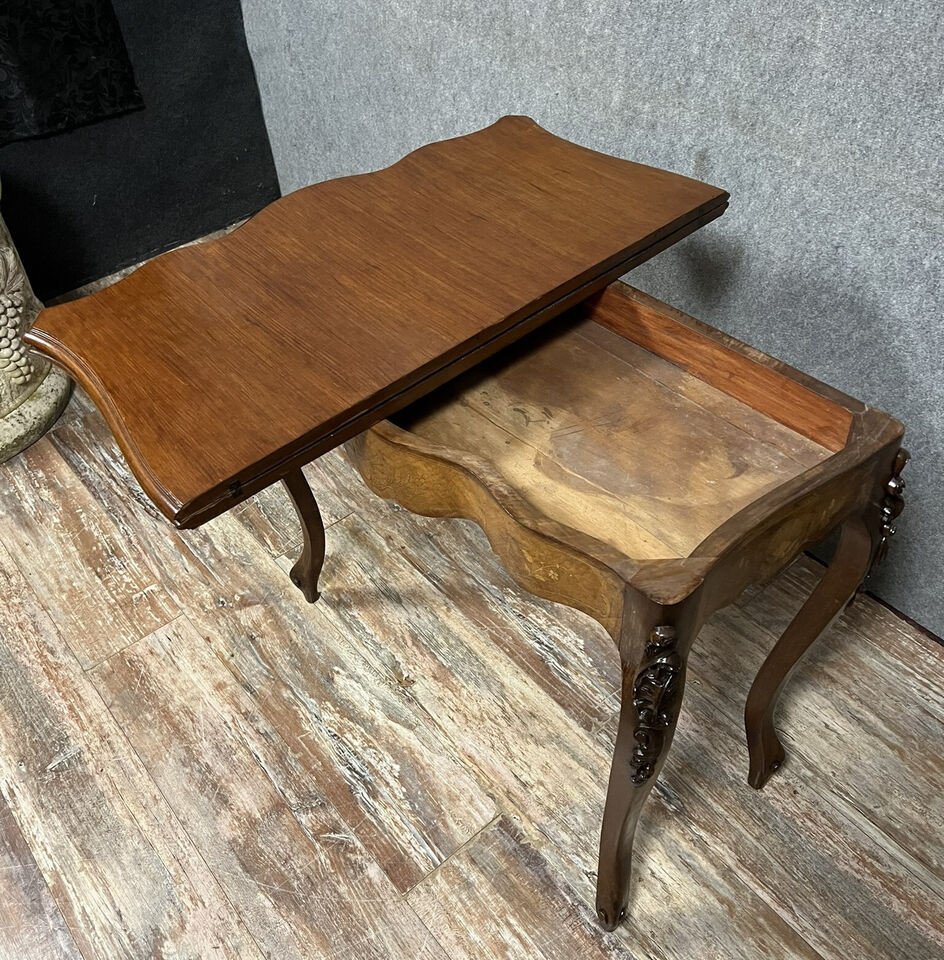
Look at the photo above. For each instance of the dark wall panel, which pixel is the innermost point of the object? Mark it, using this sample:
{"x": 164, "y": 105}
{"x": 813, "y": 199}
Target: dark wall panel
{"x": 84, "y": 203}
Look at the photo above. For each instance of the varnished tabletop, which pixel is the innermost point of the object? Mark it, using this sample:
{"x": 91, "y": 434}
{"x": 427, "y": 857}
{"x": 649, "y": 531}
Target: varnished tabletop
{"x": 223, "y": 366}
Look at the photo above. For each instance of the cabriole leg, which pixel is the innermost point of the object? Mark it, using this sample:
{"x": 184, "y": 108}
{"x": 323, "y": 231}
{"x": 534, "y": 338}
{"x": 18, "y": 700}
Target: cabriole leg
{"x": 863, "y": 543}
{"x": 857, "y": 545}
{"x": 652, "y": 695}
{"x": 307, "y": 569}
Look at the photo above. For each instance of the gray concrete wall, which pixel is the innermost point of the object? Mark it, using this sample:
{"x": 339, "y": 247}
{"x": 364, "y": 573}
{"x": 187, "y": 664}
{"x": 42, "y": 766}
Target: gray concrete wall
{"x": 822, "y": 120}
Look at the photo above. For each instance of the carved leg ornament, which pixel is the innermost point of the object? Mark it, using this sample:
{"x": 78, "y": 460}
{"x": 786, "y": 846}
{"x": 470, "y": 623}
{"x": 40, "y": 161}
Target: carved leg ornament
{"x": 652, "y": 696}
{"x": 892, "y": 505}
{"x": 655, "y": 701}
{"x": 307, "y": 569}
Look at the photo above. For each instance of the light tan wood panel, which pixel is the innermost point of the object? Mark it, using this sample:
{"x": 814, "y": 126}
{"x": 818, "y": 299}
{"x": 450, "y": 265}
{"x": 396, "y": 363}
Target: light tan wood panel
{"x": 819, "y": 413}
{"x": 128, "y": 881}
{"x": 612, "y": 450}
{"x": 544, "y": 557}
{"x": 349, "y": 728}
{"x": 741, "y": 415}
{"x": 31, "y": 925}
{"x": 301, "y": 882}
{"x": 547, "y": 483}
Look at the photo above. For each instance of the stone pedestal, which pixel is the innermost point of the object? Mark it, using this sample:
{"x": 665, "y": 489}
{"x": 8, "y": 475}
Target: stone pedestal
{"x": 32, "y": 392}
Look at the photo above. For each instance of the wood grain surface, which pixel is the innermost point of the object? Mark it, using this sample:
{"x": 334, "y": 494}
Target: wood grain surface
{"x": 414, "y": 768}
{"x": 222, "y": 366}
{"x": 127, "y": 879}
{"x": 607, "y": 477}
{"x": 31, "y": 925}
{"x": 597, "y": 443}
{"x": 290, "y": 868}
{"x": 819, "y": 413}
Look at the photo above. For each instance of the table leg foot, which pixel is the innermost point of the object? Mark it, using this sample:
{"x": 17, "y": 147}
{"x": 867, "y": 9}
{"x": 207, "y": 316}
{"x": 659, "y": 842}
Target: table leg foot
{"x": 652, "y": 694}
{"x": 307, "y": 569}
{"x": 857, "y": 544}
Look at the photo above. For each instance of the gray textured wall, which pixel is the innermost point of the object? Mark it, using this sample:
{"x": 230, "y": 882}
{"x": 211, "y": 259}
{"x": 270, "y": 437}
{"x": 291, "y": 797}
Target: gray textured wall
{"x": 822, "y": 120}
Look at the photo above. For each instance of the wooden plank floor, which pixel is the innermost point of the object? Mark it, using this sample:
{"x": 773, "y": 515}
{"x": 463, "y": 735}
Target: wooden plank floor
{"x": 196, "y": 763}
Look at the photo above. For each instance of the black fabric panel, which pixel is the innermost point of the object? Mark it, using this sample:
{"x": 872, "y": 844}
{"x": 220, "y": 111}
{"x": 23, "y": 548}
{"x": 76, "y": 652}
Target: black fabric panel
{"x": 63, "y": 63}
{"x": 82, "y": 204}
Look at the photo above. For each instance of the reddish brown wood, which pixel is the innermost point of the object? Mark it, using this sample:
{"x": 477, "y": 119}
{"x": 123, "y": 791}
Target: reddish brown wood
{"x": 840, "y": 581}
{"x": 307, "y": 568}
{"x": 223, "y": 366}
{"x": 765, "y": 387}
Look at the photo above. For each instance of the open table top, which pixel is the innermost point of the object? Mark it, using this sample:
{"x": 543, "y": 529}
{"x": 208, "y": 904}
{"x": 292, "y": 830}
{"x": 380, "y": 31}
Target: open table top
{"x": 222, "y": 366}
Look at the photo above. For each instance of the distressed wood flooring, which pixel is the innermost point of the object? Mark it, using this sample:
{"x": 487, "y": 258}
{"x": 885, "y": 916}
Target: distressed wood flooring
{"x": 196, "y": 763}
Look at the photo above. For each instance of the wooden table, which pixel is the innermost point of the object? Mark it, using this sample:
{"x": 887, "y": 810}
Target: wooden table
{"x": 456, "y": 314}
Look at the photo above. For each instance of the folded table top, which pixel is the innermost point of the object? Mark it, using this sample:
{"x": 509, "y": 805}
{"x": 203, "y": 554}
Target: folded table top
{"x": 222, "y": 366}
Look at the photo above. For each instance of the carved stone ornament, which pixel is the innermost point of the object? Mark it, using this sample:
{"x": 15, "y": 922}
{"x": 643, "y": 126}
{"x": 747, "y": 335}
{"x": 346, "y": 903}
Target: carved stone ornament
{"x": 32, "y": 392}
{"x": 656, "y": 695}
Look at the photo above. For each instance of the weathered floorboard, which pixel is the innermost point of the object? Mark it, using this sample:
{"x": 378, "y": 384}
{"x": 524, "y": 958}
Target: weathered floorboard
{"x": 499, "y": 898}
{"x": 299, "y": 880}
{"x": 270, "y": 517}
{"x": 563, "y": 650}
{"x": 874, "y": 742}
{"x": 127, "y": 880}
{"x": 90, "y": 573}
{"x": 537, "y": 761}
{"x": 793, "y": 837}
{"x": 889, "y": 646}
{"x": 401, "y": 790}
{"x": 427, "y": 728}
{"x": 31, "y": 925}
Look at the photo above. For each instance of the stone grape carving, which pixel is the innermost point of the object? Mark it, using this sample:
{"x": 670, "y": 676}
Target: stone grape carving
{"x": 32, "y": 392}
{"x": 20, "y": 373}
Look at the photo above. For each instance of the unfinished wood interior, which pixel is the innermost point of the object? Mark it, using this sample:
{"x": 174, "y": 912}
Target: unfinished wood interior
{"x": 594, "y": 423}
{"x": 759, "y": 383}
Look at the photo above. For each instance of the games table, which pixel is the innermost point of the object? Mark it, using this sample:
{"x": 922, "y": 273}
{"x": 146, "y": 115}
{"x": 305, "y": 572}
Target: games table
{"x": 458, "y": 318}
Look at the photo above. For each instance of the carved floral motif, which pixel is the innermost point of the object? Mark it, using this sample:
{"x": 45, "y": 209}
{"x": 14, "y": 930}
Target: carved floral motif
{"x": 893, "y": 503}
{"x": 656, "y": 695}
